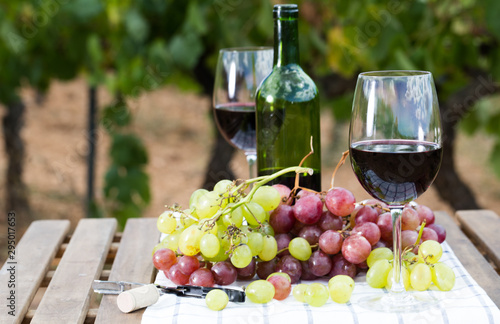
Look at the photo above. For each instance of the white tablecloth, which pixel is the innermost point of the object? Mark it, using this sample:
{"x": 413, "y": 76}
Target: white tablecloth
{"x": 467, "y": 302}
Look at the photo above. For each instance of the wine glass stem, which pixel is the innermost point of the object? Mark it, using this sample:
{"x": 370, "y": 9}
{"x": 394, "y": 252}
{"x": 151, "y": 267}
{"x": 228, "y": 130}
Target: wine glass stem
{"x": 397, "y": 287}
{"x": 251, "y": 159}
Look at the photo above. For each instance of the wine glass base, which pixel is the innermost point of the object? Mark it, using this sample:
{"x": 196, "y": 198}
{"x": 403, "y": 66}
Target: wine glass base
{"x": 399, "y": 303}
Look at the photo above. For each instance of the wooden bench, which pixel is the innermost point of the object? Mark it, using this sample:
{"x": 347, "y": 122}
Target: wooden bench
{"x": 54, "y": 271}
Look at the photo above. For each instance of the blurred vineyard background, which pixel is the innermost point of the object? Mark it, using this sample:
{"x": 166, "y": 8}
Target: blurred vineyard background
{"x": 146, "y": 67}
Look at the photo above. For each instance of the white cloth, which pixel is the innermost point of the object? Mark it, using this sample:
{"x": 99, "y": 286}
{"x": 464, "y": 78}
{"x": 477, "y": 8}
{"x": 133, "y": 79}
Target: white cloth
{"x": 467, "y": 302}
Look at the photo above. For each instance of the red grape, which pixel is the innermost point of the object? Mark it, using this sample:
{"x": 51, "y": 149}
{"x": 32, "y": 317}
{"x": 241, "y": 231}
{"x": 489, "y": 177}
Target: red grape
{"x": 366, "y": 214}
{"x": 409, "y": 219}
{"x": 202, "y": 277}
{"x": 330, "y": 242}
{"x": 340, "y": 201}
{"x": 328, "y": 221}
{"x": 306, "y": 271}
{"x": 282, "y": 219}
{"x": 377, "y": 204}
{"x": 282, "y": 286}
{"x": 320, "y": 263}
{"x": 384, "y": 223}
{"x": 408, "y": 238}
{"x": 284, "y": 191}
{"x": 308, "y": 209}
{"x": 188, "y": 264}
{"x": 356, "y": 249}
{"x": 177, "y": 276}
{"x": 224, "y": 273}
{"x": 369, "y": 230}
{"x": 340, "y": 266}
{"x": 291, "y": 266}
{"x": 247, "y": 272}
{"x": 425, "y": 213}
{"x": 265, "y": 268}
{"x": 428, "y": 234}
{"x": 163, "y": 259}
{"x": 311, "y": 234}
{"x": 283, "y": 240}
{"x": 440, "y": 231}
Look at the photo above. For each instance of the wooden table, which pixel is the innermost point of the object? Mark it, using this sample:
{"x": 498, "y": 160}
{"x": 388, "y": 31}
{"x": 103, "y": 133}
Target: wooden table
{"x": 53, "y": 271}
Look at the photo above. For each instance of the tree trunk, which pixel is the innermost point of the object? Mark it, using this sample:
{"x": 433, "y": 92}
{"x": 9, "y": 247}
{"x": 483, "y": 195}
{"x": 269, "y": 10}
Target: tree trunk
{"x": 16, "y": 191}
{"x": 448, "y": 183}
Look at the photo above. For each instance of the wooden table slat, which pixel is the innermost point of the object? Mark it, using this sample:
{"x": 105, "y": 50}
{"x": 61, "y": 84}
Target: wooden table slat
{"x": 33, "y": 256}
{"x": 482, "y": 226}
{"x": 477, "y": 266}
{"x": 132, "y": 263}
{"x": 67, "y": 297}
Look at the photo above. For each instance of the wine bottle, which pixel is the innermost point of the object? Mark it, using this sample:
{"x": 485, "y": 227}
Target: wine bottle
{"x": 287, "y": 108}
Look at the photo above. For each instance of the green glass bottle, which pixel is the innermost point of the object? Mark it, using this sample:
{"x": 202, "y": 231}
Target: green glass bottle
{"x": 287, "y": 108}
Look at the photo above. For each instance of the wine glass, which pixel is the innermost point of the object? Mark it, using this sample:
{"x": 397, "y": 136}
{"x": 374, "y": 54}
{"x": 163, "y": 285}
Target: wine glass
{"x": 238, "y": 75}
{"x": 395, "y": 149}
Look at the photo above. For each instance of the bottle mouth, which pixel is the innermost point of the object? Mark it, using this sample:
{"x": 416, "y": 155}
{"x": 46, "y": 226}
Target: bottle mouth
{"x": 285, "y": 11}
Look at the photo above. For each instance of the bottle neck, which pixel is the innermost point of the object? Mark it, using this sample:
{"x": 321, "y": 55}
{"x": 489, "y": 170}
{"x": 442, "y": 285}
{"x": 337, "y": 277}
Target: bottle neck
{"x": 286, "y": 42}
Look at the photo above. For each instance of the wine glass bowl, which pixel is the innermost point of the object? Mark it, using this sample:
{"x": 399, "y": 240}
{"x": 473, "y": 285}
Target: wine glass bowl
{"x": 238, "y": 75}
{"x": 395, "y": 151}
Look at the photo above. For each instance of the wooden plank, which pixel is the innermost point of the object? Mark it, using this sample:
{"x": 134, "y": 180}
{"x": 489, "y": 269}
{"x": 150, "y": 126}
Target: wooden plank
{"x": 67, "y": 297}
{"x": 32, "y": 258}
{"x": 477, "y": 266}
{"x": 483, "y": 227}
{"x": 132, "y": 263}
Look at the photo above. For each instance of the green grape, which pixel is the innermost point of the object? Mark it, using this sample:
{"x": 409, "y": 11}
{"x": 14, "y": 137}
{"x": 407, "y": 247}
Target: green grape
{"x": 430, "y": 251}
{"x": 379, "y": 254}
{"x": 189, "y": 240}
{"x": 209, "y": 245}
{"x": 341, "y": 278}
{"x": 166, "y": 222}
{"x": 224, "y": 246}
{"x": 300, "y": 249}
{"x": 255, "y": 242}
{"x": 234, "y": 217}
{"x": 208, "y": 226}
{"x": 421, "y": 277}
{"x": 241, "y": 256}
{"x": 409, "y": 258}
{"x": 266, "y": 228}
{"x": 207, "y": 205}
{"x": 406, "y": 278}
{"x": 223, "y": 187}
{"x": 172, "y": 240}
{"x": 161, "y": 245}
{"x": 443, "y": 276}
{"x": 254, "y": 213}
{"x": 186, "y": 221}
{"x": 260, "y": 291}
{"x": 269, "y": 248}
{"x": 316, "y": 294}
{"x": 195, "y": 195}
{"x": 216, "y": 299}
{"x": 299, "y": 292}
{"x": 268, "y": 197}
{"x": 341, "y": 287}
{"x": 376, "y": 276}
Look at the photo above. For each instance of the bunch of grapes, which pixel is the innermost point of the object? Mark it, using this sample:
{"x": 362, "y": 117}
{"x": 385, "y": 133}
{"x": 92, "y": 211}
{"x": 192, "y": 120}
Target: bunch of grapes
{"x": 419, "y": 271}
{"x": 241, "y": 229}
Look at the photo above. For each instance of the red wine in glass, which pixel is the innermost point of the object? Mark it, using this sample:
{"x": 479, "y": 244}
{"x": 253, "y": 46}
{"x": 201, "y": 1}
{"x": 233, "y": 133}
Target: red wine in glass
{"x": 236, "y": 121}
{"x": 396, "y": 171}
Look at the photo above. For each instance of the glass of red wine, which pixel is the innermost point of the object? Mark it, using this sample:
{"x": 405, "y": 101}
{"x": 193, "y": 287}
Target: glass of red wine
{"x": 238, "y": 75}
{"x": 396, "y": 152}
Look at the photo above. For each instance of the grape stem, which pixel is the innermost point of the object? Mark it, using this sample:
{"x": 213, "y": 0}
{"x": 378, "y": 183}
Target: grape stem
{"x": 258, "y": 182}
{"x": 342, "y": 161}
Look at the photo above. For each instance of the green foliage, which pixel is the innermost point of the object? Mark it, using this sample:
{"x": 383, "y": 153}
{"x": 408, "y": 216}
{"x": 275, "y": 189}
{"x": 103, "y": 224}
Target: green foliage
{"x": 126, "y": 184}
